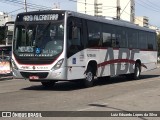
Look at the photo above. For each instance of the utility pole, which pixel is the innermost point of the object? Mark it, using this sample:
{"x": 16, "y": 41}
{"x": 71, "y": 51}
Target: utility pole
{"x": 85, "y": 7}
{"x": 25, "y": 5}
{"x": 118, "y": 9}
{"x": 97, "y": 8}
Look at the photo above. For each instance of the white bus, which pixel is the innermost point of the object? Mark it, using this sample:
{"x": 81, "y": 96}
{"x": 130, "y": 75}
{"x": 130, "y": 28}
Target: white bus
{"x": 57, "y": 45}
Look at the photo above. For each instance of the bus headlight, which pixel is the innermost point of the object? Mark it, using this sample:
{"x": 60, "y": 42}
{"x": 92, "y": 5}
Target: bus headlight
{"x": 58, "y": 64}
{"x": 14, "y": 65}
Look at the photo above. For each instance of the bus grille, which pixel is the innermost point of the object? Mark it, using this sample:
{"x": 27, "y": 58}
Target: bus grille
{"x": 40, "y": 75}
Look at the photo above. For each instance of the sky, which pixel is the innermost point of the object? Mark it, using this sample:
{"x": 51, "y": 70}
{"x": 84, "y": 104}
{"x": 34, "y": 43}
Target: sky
{"x": 149, "y": 8}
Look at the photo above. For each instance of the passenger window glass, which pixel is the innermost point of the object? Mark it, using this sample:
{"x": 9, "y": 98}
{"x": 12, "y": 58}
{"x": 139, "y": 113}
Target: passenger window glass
{"x": 94, "y": 34}
{"x": 108, "y": 36}
{"x": 106, "y": 39}
{"x": 150, "y": 41}
{"x": 132, "y": 38}
{"x": 142, "y": 43}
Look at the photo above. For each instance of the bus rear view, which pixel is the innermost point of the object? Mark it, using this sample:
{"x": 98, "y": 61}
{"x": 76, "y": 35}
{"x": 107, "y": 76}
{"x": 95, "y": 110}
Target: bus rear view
{"x": 38, "y": 47}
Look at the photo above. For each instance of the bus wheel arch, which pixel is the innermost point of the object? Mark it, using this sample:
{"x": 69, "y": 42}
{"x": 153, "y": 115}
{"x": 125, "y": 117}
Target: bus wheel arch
{"x": 93, "y": 65}
{"x": 90, "y": 72}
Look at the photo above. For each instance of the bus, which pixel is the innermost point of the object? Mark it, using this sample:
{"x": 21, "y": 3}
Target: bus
{"x": 5, "y": 48}
{"x": 60, "y": 45}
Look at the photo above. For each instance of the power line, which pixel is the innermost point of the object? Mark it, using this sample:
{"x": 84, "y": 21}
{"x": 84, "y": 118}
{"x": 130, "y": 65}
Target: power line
{"x": 150, "y": 4}
{"x": 125, "y": 8}
{"x": 153, "y": 4}
{"x": 148, "y": 7}
{"x": 142, "y": 21}
{"x": 15, "y": 10}
{"x": 88, "y": 3}
{"x": 29, "y": 5}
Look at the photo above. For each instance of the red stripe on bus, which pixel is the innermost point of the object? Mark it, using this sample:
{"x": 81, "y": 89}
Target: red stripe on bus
{"x": 119, "y": 61}
{"x": 105, "y": 48}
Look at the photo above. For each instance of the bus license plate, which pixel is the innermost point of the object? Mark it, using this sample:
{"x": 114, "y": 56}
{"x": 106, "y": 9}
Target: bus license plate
{"x": 33, "y": 77}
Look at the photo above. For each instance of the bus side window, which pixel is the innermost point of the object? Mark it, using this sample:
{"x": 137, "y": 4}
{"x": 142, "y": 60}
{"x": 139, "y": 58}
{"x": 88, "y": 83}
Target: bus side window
{"x": 106, "y": 39}
{"x": 94, "y": 34}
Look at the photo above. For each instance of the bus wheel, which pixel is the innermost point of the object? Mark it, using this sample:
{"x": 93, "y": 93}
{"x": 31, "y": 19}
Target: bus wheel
{"x": 137, "y": 71}
{"x": 136, "y": 74}
{"x": 49, "y": 84}
{"x": 88, "y": 82}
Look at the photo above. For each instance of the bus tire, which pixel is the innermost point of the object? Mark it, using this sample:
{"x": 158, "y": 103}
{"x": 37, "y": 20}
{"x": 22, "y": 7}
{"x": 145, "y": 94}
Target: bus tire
{"x": 136, "y": 74}
{"x": 49, "y": 84}
{"x": 89, "y": 79}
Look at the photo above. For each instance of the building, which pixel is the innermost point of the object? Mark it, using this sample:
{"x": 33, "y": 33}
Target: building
{"x": 142, "y": 21}
{"x": 4, "y": 17}
{"x": 110, "y": 8}
{"x": 155, "y": 28}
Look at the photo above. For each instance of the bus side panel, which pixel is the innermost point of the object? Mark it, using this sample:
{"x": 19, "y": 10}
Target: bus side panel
{"x": 115, "y": 62}
{"x": 148, "y": 60}
{"x": 78, "y": 63}
{"x": 76, "y": 66}
{"x": 104, "y": 69}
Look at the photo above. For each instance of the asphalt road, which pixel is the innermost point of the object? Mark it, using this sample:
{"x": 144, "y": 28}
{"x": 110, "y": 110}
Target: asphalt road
{"x": 115, "y": 94}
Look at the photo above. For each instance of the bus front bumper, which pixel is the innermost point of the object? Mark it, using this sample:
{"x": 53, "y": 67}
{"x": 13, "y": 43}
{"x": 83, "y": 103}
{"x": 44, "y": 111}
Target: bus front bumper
{"x": 57, "y": 75}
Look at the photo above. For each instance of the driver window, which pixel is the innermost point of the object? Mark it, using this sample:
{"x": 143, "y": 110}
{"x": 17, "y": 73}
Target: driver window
{"x": 74, "y": 36}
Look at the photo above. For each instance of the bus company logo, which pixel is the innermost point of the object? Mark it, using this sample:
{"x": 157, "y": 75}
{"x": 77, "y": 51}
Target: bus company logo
{"x": 34, "y": 67}
{"x": 25, "y": 67}
{"x": 124, "y": 56}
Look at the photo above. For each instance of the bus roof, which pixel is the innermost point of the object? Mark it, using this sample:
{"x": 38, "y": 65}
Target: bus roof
{"x": 113, "y": 22}
{"x": 93, "y": 18}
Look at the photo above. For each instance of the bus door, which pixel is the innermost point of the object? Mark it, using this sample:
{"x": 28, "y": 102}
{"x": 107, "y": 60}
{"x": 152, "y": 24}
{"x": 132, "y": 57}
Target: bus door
{"x": 75, "y": 52}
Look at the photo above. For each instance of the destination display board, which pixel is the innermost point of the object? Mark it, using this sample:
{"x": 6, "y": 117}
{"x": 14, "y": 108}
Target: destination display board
{"x": 35, "y": 17}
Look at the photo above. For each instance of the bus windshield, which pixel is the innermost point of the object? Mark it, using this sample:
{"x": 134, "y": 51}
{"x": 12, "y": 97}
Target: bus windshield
{"x": 41, "y": 39}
